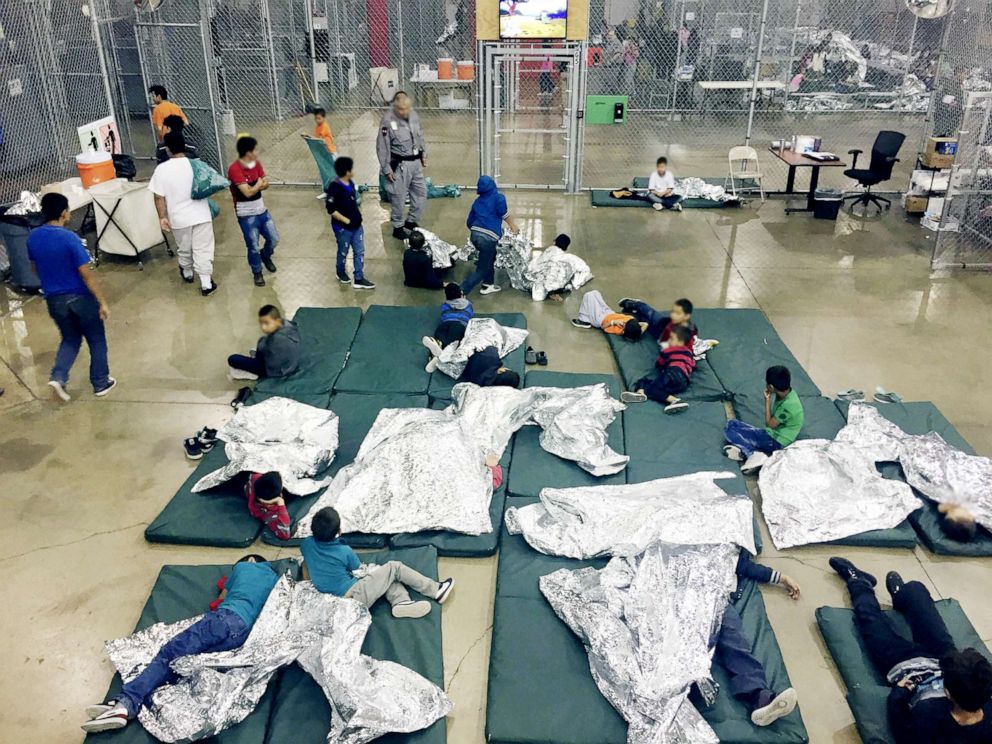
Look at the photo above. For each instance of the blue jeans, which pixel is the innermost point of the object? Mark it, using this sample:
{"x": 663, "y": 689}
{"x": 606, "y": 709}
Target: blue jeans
{"x": 485, "y": 267}
{"x": 255, "y": 364}
{"x": 355, "y": 240}
{"x": 220, "y": 630}
{"x": 668, "y": 202}
{"x": 259, "y": 225}
{"x": 749, "y": 439}
{"x": 644, "y": 313}
{"x": 668, "y": 382}
{"x": 733, "y": 652}
{"x": 77, "y": 317}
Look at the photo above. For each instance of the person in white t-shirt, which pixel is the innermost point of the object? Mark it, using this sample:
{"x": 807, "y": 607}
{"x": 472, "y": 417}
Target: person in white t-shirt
{"x": 661, "y": 188}
{"x": 188, "y": 219}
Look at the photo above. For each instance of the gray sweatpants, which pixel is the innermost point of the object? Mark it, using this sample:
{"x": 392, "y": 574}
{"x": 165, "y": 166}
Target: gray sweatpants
{"x": 195, "y": 249}
{"x": 409, "y": 180}
{"x": 593, "y": 308}
{"x": 391, "y": 580}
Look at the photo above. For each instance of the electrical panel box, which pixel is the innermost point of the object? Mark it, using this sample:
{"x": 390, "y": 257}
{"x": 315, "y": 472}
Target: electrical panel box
{"x": 606, "y": 109}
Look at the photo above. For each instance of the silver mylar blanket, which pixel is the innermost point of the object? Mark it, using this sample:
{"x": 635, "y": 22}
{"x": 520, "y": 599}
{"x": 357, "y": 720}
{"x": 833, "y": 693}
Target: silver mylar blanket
{"x": 554, "y": 270}
{"x": 479, "y": 333}
{"x": 441, "y": 252}
{"x": 324, "y": 633}
{"x": 624, "y": 520}
{"x": 419, "y": 469}
{"x": 697, "y": 188}
{"x": 296, "y": 440}
{"x": 646, "y": 622}
{"x": 513, "y": 254}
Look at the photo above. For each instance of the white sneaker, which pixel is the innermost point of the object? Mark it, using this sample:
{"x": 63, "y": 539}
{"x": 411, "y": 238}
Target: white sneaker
{"x": 754, "y": 462}
{"x": 657, "y": 207}
{"x": 734, "y": 453}
{"x": 234, "y": 373}
{"x": 411, "y": 609}
{"x": 444, "y": 590}
{"x": 632, "y": 396}
{"x": 677, "y": 207}
{"x": 60, "y": 390}
{"x": 677, "y": 407}
{"x": 432, "y": 345}
{"x": 783, "y": 704}
{"x": 110, "y": 718}
{"x": 490, "y": 289}
{"x": 431, "y": 366}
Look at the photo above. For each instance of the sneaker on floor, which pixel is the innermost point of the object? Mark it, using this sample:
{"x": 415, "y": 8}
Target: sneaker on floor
{"x": 678, "y": 208}
{"x": 432, "y": 344}
{"x": 754, "y": 462}
{"x": 233, "y": 373}
{"x": 657, "y": 207}
{"x": 580, "y": 323}
{"x": 633, "y": 396}
{"x": 886, "y": 396}
{"x": 851, "y": 395}
{"x": 59, "y": 389}
{"x": 490, "y": 289}
{"x": 206, "y": 292}
{"x": 343, "y": 277}
{"x": 411, "y": 609}
{"x": 894, "y": 583}
{"x": 111, "y": 384}
{"x": 444, "y": 590}
{"x": 92, "y": 711}
{"x": 269, "y": 265}
{"x": 848, "y": 571}
{"x": 431, "y": 366}
{"x": 207, "y": 438}
{"x": 363, "y": 283}
{"x": 193, "y": 449}
{"x": 259, "y": 279}
{"x": 678, "y": 406}
{"x": 783, "y": 704}
{"x": 400, "y": 234}
{"x": 733, "y": 453}
{"x": 241, "y": 398}
{"x": 112, "y": 718}
{"x": 188, "y": 278}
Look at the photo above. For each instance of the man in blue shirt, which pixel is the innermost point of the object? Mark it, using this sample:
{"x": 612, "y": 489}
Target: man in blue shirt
{"x": 226, "y": 628}
{"x": 74, "y": 299}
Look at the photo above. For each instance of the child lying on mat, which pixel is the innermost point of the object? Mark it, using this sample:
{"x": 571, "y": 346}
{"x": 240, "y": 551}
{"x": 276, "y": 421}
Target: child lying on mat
{"x": 660, "y": 324}
{"x": 277, "y": 353}
{"x": 675, "y": 366}
{"x": 267, "y": 503}
{"x": 938, "y": 693}
{"x": 456, "y": 312}
{"x": 331, "y": 565}
{"x": 418, "y": 264}
{"x": 243, "y": 594}
{"x": 595, "y": 313}
{"x": 784, "y": 417}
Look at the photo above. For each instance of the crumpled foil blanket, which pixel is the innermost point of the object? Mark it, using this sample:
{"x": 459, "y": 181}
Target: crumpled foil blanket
{"x": 513, "y": 254}
{"x": 29, "y": 203}
{"x": 419, "y": 469}
{"x": 442, "y": 253}
{"x": 323, "y": 633}
{"x": 646, "y": 622}
{"x": 479, "y": 333}
{"x": 697, "y": 188}
{"x": 554, "y": 270}
{"x": 296, "y": 440}
{"x": 624, "y": 520}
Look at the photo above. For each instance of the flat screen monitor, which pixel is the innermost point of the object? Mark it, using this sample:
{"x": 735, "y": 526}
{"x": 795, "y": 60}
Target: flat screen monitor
{"x": 533, "y": 19}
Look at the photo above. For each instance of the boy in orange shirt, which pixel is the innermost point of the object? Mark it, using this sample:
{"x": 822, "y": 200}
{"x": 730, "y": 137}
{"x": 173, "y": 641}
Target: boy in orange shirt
{"x": 162, "y": 108}
{"x": 323, "y": 130}
{"x": 595, "y": 313}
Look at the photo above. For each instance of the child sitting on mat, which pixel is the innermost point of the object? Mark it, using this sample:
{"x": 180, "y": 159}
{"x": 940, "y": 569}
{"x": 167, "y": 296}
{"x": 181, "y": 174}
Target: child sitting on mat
{"x": 267, "y": 502}
{"x": 456, "y": 312}
{"x": 661, "y": 188}
{"x": 658, "y": 323}
{"x": 675, "y": 366}
{"x": 595, "y": 313}
{"x": 784, "y": 418}
{"x": 331, "y": 565}
{"x": 277, "y": 353}
{"x": 418, "y": 265}
{"x": 227, "y": 627}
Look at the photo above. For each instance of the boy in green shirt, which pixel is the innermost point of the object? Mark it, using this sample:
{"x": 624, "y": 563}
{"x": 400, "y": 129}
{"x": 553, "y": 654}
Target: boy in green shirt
{"x": 783, "y": 421}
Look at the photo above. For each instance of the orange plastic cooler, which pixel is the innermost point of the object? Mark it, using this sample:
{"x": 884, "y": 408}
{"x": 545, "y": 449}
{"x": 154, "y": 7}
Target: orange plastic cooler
{"x": 95, "y": 167}
{"x": 445, "y": 68}
{"x": 466, "y": 70}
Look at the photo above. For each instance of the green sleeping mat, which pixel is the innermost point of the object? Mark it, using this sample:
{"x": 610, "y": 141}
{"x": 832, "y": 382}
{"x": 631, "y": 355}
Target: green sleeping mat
{"x": 603, "y": 197}
{"x": 317, "y": 400}
{"x": 181, "y": 592}
{"x": 867, "y": 690}
{"x": 387, "y": 356}
{"x": 533, "y": 468}
{"x": 301, "y": 714}
{"x": 326, "y": 334}
{"x": 922, "y": 417}
{"x": 440, "y": 384}
{"x": 636, "y": 359}
{"x": 748, "y": 346}
{"x": 356, "y": 414}
{"x": 540, "y": 687}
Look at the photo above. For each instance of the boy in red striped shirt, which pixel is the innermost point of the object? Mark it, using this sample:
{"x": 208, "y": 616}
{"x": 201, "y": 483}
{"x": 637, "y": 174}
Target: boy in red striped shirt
{"x": 675, "y": 366}
{"x": 267, "y": 503}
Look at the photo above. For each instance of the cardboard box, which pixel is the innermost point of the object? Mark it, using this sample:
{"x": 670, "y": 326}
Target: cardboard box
{"x": 915, "y": 204}
{"x": 939, "y": 152}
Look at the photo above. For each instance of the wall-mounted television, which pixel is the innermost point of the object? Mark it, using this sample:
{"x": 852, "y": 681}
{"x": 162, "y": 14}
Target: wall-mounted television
{"x": 533, "y": 19}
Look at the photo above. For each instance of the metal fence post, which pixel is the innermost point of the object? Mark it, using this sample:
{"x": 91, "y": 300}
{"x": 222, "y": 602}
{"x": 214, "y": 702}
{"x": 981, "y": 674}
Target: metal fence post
{"x": 757, "y": 71}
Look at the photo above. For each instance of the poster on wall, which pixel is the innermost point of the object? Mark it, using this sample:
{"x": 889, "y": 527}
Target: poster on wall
{"x": 533, "y": 19}
{"x": 101, "y": 135}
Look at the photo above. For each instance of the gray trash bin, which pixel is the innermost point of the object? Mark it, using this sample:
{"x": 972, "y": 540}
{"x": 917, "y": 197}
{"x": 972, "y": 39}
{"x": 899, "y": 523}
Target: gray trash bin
{"x": 827, "y": 203}
{"x": 14, "y": 230}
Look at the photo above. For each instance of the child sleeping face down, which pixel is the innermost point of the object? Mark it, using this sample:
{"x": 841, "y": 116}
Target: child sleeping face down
{"x": 957, "y": 522}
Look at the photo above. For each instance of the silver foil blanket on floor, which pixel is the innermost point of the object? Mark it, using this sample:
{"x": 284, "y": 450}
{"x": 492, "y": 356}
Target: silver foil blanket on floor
{"x": 419, "y": 469}
{"x": 646, "y": 623}
{"x": 479, "y": 333}
{"x": 323, "y": 633}
{"x": 442, "y": 253}
{"x": 513, "y": 254}
{"x": 624, "y": 520}
{"x": 697, "y": 188}
{"x": 555, "y": 270}
{"x": 296, "y": 440}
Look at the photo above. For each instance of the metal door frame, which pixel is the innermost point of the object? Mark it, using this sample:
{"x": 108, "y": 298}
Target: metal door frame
{"x": 496, "y": 95}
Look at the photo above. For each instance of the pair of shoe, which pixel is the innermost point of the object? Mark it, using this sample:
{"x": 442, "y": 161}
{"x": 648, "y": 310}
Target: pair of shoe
{"x": 750, "y": 464}
{"x": 849, "y": 572}
{"x": 63, "y": 394}
{"x": 409, "y": 608}
{"x": 490, "y": 289}
{"x": 105, "y": 717}
{"x": 204, "y": 441}
{"x": 535, "y": 357}
{"x": 362, "y": 283}
{"x": 434, "y": 347}
{"x": 639, "y": 396}
{"x": 660, "y": 207}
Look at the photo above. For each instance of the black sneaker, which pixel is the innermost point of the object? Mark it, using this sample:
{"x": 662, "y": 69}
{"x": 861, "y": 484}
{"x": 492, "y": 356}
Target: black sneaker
{"x": 188, "y": 279}
{"x": 894, "y": 583}
{"x": 849, "y": 572}
{"x": 269, "y": 265}
{"x": 400, "y": 234}
{"x": 624, "y": 301}
{"x": 363, "y": 283}
{"x": 259, "y": 279}
{"x": 343, "y": 277}
{"x": 580, "y": 323}
{"x": 241, "y": 398}
{"x": 111, "y": 384}
{"x": 193, "y": 449}
{"x": 208, "y": 292}
{"x": 207, "y": 438}
{"x": 410, "y": 225}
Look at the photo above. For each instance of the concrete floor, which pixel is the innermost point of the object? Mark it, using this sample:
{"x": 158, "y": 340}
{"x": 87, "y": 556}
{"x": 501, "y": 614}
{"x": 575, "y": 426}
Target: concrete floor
{"x": 855, "y": 301}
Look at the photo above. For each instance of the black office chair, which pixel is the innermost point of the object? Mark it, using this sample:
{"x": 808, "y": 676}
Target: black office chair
{"x": 883, "y": 158}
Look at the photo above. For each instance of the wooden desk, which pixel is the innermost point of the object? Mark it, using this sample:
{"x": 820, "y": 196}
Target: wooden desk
{"x": 795, "y": 160}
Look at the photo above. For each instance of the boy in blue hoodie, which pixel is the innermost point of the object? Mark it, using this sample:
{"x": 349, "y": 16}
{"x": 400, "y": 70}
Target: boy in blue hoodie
{"x": 485, "y": 223}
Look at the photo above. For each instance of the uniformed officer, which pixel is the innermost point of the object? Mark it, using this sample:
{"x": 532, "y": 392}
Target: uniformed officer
{"x": 400, "y": 147}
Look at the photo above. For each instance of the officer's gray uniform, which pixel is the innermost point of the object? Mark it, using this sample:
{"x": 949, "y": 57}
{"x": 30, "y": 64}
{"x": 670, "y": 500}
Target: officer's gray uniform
{"x": 400, "y": 147}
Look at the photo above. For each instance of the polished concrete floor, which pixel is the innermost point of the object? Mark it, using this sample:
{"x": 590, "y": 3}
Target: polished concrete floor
{"x": 855, "y": 301}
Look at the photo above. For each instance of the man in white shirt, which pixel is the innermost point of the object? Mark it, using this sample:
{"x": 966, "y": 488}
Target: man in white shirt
{"x": 187, "y": 218}
{"x": 661, "y": 188}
